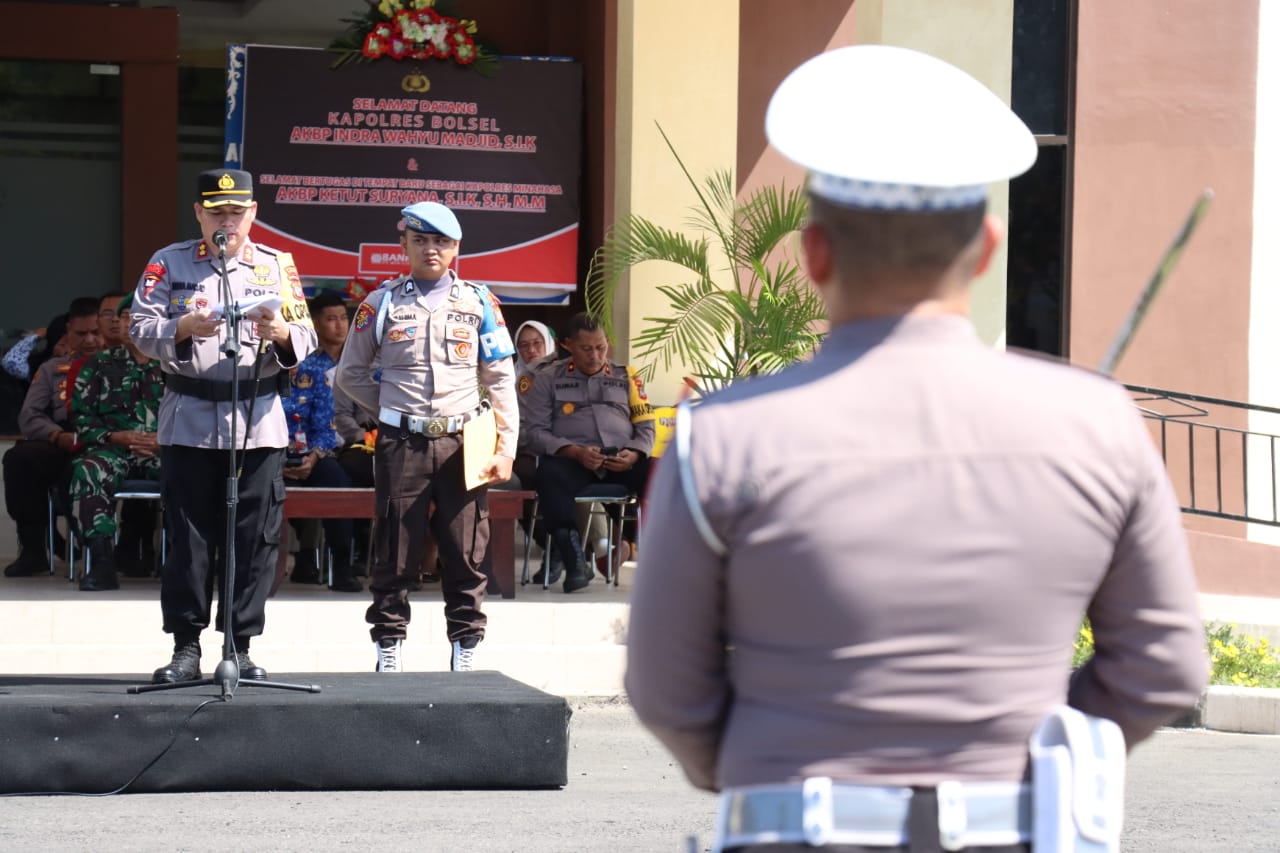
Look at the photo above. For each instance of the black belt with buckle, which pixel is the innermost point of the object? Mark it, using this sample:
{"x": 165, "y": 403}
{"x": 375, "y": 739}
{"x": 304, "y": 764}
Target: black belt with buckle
{"x": 220, "y": 391}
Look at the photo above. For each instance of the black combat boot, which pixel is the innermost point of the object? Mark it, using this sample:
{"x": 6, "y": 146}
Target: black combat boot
{"x": 32, "y": 557}
{"x": 577, "y": 571}
{"x": 100, "y": 572}
{"x": 249, "y": 671}
{"x": 185, "y": 665}
{"x": 344, "y": 578}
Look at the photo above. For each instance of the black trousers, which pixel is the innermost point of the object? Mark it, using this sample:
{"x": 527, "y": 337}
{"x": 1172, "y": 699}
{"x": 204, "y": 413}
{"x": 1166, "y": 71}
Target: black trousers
{"x": 31, "y": 469}
{"x": 559, "y": 480}
{"x": 193, "y": 482}
{"x": 419, "y": 490}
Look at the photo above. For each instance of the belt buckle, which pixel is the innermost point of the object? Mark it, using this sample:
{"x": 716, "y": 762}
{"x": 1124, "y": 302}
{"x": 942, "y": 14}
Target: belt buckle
{"x": 435, "y": 427}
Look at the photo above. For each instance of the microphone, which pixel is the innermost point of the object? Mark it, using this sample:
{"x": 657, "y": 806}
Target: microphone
{"x": 220, "y": 239}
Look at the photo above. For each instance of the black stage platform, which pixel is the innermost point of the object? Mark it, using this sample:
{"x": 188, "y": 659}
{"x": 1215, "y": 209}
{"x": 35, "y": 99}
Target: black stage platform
{"x": 85, "y": 734}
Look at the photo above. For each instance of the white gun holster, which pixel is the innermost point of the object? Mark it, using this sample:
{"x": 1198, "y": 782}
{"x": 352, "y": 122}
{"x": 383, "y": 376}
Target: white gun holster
{"x": 1077, "y": 780}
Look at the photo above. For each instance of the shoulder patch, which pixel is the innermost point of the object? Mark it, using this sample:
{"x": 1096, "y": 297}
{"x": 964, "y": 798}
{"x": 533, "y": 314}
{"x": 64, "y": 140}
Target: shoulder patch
{"x": 364, "y": 317}
{"x": 151, "y": 276}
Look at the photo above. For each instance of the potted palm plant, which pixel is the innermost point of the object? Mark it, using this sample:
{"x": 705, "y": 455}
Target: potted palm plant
{"x": 745, "y": 306}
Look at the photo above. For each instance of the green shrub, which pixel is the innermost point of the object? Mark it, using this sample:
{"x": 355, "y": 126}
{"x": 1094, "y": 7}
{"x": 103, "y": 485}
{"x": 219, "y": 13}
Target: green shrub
{"x": 1234, "y": 659}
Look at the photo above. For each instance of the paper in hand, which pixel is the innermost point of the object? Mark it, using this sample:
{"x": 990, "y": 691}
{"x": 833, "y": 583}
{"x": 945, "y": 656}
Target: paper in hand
{"x": 479, "y": 443}
{"x": 272, "y": 302}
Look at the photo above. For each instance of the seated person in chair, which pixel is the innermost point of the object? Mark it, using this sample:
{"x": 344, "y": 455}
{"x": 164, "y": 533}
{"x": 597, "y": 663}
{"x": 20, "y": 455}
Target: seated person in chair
{"x": 590, "y": 422}
{"x": 310, "y": 407}
{"x": 114, "y": 409}
{"x": 41, "y": 462}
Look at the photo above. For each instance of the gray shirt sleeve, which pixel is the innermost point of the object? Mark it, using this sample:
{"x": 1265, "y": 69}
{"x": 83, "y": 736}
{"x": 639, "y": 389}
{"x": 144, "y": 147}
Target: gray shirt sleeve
{"x": 354, "y": 376}
{"x": 676, "y": 676}
{"x": 42, "y": 413}
{"x": 500, "y": 378}
{"x": 1146, "y": 606}
{"x": 540, "y": 399}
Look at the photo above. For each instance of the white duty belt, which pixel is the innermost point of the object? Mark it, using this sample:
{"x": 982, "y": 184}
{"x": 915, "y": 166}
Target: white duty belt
{"x": 428, "y": 426}
{"x": 819, "y": 812}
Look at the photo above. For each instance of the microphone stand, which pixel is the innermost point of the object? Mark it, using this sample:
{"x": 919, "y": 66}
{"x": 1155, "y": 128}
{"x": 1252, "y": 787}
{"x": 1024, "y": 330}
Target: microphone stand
{"x": 227, "y": 673}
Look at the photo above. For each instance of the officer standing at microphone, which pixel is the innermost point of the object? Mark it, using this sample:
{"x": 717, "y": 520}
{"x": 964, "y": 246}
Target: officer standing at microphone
{"x": 178, "y": 318}
{"x": 440, "y": 340}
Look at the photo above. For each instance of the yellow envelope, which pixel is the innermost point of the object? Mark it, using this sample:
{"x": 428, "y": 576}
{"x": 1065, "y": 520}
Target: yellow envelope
{"x": 479, "y": 443}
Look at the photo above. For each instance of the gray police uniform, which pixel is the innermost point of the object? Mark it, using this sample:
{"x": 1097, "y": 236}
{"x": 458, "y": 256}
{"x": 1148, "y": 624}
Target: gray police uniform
{"x": 896, "y": 541}
{"x": 34, "y": 466}
{"x": 564, "y": 407}
{"x": 195, "y": 423}
{"x": 434, "y": 363}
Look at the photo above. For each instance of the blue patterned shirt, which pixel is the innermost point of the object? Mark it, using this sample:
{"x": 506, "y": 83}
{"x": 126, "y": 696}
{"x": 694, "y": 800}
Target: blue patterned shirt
{"x": 310, "y": 402}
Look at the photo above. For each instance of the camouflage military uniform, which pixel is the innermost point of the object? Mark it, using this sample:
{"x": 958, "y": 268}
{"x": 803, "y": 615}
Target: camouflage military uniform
{"x": 113, "y": 392}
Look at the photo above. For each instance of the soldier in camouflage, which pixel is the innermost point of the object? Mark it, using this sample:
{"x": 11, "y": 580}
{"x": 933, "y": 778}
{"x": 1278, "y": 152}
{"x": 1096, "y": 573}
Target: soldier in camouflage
{"x": 114, "y": 408}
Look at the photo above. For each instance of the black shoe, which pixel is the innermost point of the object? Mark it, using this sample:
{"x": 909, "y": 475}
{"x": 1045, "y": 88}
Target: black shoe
{"x": 185, "y": 665}
{"x": 249, "y": 671}
{"x": 304, "y": 568}
{"x": 102, "y": 567}
{"x": 556, "y": 571}
{"x": 28, "y": 563}
{"x": 577, "y": 571}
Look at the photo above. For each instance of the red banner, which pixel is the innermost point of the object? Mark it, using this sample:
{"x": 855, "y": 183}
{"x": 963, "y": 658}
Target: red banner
{"x": 336, "y": 154}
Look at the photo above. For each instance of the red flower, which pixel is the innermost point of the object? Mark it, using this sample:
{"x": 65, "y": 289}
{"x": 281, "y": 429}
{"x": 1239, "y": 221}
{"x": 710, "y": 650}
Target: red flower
{"x": 373, "y": 46}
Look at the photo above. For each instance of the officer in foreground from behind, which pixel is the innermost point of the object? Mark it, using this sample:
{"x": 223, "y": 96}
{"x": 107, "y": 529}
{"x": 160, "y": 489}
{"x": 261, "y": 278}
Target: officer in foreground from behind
{"x": 855, "y": 613}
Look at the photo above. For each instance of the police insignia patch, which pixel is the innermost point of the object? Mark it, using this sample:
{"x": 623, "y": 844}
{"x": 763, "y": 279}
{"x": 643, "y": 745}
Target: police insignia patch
{"x": 568, "y": 408}
{"x": 364, "y": 317}
{"x": 151, "y": 276}
{"x": 462, "y": 350}
{"x": 405, "y": 334}
{"x": 525, "y": 383}
{"x": 497, "y": 309}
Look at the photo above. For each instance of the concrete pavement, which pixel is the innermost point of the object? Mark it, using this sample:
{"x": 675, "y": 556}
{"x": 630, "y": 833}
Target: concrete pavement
{"x": 1187, "y": 790}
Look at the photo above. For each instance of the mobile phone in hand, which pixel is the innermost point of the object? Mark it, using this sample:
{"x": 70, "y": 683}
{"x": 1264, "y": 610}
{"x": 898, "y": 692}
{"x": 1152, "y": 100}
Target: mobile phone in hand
{"x": 609, "y": 451}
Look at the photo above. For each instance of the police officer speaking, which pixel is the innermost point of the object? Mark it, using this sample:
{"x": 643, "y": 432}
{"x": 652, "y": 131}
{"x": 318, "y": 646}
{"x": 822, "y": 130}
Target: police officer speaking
{"x": 863, "y": 576}
{"x": 439, "y": 340}
{"x": 176, "y": 318}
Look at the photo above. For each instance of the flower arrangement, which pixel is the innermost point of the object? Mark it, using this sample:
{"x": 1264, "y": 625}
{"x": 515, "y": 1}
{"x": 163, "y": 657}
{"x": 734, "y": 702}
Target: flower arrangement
{"x": 410, "y": 29}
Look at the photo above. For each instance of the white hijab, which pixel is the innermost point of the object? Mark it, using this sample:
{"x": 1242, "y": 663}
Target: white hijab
{"x": 549, "y": 342}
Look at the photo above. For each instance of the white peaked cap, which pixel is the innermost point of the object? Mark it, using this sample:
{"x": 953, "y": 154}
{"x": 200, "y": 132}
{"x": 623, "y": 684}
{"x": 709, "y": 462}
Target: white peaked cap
{"x": 892, "y": 128}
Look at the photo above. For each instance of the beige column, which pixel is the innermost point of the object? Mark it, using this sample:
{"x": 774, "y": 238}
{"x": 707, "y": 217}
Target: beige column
{"x": 976, "y": 35}
{"x": 677, "y": 67}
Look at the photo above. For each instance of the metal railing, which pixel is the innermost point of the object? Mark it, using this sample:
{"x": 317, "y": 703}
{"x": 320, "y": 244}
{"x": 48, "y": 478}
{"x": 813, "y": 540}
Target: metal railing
{"x": 1218, "y": 470}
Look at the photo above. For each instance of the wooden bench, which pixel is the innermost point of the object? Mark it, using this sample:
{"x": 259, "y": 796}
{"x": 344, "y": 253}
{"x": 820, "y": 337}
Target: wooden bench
{"x": 505, "y": 506}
